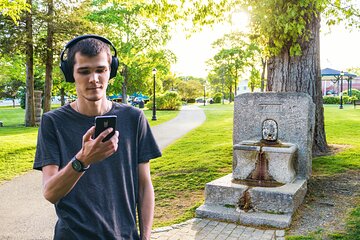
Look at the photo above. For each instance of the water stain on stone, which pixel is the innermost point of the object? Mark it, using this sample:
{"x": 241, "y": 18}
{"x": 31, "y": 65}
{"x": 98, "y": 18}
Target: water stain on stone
{"x": 245, "y": 201}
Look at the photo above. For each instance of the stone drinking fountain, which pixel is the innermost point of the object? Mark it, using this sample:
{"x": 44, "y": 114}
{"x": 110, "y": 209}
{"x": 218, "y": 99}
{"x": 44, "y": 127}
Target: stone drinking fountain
{"x": 264, "y": 163}
{"x": 273, "y": 134}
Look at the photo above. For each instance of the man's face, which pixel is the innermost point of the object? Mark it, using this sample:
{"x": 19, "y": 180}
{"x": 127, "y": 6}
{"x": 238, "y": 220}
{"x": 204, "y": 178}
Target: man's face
{"x": 91, "y": 76}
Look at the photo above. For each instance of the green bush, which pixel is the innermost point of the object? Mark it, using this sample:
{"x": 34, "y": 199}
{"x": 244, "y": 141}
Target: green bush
{"x": 217, "y": 97}
{"x": 191, "y": 100}
{"x": 331, "y": 100}
{"x": 354, "y": 93}
{"x": 167, "y": 101}
{"x": 336, "y": 99}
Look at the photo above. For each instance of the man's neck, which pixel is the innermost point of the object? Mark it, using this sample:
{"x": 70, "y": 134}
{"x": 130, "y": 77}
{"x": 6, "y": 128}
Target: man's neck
{"x": 92, "y": 108}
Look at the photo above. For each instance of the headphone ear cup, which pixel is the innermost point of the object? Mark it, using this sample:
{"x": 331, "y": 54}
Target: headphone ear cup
{"x": 64, "y": 66}
{"x": 114, "y": 66}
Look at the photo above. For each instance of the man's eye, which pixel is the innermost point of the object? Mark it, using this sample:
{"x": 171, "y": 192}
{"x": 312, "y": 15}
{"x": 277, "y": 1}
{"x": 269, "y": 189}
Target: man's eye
{"x": 101, "y": 70}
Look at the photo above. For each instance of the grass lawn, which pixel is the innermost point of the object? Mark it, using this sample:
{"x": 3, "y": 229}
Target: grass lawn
{"x": 17, "y": 143}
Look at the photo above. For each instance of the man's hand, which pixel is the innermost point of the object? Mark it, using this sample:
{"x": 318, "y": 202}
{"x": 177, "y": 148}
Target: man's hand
{"x": 95, "y": 150}
{"x": 56, "y": 184}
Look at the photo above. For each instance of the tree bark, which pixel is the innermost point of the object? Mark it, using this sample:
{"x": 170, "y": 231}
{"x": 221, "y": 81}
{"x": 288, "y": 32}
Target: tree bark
{"x": 30, "y": 102}
{"x": 302, "y": 74}
{"x": 62, "y": 96}
{"x": 230, "y": 94}
{"x": 49, "y": 57}
{"x": 263, "y": 63}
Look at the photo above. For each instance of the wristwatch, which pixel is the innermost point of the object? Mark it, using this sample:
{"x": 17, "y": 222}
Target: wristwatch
{"x": 77, "y": 165}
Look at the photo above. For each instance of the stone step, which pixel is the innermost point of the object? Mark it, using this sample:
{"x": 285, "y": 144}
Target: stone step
{"x": 250, "y": 218}
{"x": 281, "y": 200}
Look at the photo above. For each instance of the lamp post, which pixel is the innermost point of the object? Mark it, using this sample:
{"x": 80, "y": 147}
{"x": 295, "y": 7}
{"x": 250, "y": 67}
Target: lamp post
{"x": 204, "y": 94}
{"x": 341, "y": 89}
{"x": 154, "y": 93}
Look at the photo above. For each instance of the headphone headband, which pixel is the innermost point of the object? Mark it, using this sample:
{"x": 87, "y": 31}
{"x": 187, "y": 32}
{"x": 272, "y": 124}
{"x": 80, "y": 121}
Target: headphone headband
{"x": 82, "y": 37}
{"x": 64, "y": 65}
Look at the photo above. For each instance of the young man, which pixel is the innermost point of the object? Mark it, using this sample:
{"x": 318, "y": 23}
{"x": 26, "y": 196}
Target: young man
{"x": 96, "y": 186}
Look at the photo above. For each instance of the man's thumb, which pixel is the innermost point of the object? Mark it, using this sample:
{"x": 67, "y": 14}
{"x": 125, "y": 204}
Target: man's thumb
{"x": 89, "y": 134}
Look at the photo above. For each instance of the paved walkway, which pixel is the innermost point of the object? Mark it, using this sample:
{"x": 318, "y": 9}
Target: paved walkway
{"x": 189, "y": 118}
{"x": 205, "y": 229}
{"x": 25, "y": 214}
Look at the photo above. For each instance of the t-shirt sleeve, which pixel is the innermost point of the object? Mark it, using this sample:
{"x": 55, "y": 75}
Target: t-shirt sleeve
{"x": 47, "y": 148}
{"x": 147, "y": 146}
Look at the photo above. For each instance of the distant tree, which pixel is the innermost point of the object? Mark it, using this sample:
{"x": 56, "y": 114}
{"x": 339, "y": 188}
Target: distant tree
{"x": 354, "y": 70}
{"x": 190, "y": 89}
{"x": 170, "y": 82}
{"x": 235, "y": 54}
{"x": 255, "y": 79}
{"x": 12, "y": 77}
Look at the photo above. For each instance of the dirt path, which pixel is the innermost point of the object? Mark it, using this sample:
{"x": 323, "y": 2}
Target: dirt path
{"x": 327, "y": 203}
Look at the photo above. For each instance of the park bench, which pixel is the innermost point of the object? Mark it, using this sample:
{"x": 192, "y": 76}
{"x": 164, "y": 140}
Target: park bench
{"x": 356, "y": 102}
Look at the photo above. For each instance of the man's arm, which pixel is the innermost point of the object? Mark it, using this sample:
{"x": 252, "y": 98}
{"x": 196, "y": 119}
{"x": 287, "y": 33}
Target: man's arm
{"x": 146, "y": 201}
{"x": 56, "y": 184}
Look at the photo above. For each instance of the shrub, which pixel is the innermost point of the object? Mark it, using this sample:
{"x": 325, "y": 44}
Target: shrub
{"x": 217, "y": 97}
{"x": 191, "y": 100}
{"x": 167, "y": 101}
{"x": 354, "y": 93}
{"x": 336, "y": 99}
{"x": 331, "y": 100}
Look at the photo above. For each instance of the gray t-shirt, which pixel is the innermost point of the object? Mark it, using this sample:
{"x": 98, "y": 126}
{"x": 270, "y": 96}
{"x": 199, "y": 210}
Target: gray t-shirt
{"x": 102, "y": 204}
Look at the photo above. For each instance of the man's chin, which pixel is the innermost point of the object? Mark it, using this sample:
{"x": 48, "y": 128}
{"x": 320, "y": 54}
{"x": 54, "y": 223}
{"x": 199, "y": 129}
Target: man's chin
{"x": 93, "y": 98}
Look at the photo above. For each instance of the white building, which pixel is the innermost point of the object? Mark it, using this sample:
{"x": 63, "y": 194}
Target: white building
{"x": 243, "y": 87}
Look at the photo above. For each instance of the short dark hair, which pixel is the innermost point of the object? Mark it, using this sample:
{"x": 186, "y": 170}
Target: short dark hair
{"x": 89, "y": 47}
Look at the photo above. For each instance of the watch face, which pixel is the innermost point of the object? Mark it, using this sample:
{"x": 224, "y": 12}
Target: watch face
{"x": 77, "y": 165}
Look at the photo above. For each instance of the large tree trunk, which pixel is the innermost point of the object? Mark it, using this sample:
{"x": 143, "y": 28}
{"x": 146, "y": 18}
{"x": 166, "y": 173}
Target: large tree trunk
{"x": 49, "y": 58}
{"x": 302, "y": 74}
{"x": 30, "y": 102}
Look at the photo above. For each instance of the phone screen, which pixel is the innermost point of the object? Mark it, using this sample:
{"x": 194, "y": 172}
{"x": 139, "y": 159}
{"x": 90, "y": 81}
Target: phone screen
{"x": 104, "y": 122}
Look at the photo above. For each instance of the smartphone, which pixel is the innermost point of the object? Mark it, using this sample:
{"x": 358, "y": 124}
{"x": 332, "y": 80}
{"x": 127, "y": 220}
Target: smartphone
{"x": 104, "y": 122}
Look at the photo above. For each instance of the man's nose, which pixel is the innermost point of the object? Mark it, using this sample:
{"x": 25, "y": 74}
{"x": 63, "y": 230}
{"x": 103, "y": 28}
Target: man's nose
{"x": 94, "y": 77}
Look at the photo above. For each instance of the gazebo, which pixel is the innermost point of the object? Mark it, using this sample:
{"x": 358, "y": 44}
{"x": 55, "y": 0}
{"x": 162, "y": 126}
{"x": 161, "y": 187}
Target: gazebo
{"x": 336, "y": 76}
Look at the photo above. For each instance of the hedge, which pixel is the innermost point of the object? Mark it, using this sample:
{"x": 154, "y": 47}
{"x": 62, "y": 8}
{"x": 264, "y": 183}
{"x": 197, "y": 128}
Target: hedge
{"x": 336, "y": 99}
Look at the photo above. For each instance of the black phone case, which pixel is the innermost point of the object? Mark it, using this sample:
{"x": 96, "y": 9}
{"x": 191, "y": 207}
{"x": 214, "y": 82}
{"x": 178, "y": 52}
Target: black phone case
{"x": 104, "y": 122}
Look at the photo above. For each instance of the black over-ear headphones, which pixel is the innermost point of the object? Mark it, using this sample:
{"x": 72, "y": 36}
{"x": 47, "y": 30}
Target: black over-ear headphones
{"x": 67, "y": 70}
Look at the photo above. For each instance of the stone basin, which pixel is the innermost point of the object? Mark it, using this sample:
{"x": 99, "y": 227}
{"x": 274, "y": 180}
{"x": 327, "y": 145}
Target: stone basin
{"x": 280, "y": 158}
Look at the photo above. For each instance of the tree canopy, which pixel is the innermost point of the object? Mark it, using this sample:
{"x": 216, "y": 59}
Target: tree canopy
{"x": 13, "y": 9}
{"x": 236, "y": 54}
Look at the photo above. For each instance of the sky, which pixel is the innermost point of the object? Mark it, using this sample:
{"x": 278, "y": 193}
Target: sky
{"x": 339, "y": 48}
